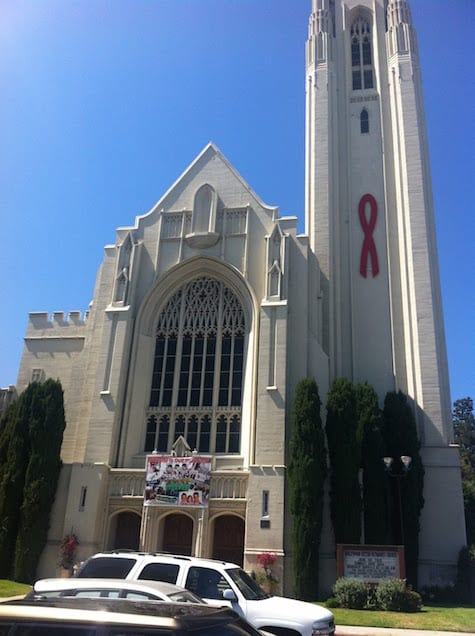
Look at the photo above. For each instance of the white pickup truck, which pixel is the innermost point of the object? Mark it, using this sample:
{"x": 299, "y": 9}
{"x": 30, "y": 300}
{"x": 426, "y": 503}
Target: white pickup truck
{"x": 218, "y": 583}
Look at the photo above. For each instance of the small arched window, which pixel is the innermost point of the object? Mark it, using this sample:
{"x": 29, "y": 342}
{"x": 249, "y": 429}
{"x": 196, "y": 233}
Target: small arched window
{"x": 364, "y": 121}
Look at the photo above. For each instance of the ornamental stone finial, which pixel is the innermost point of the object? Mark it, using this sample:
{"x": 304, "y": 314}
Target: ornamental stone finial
{"x": 401, "y": 37}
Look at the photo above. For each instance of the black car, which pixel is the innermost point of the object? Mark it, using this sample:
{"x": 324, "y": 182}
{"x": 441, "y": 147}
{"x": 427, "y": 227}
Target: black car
{"x": 66, "y": 616}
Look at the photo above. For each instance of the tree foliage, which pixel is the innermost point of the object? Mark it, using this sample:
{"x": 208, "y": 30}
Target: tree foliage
{"x": 14, "y": 452}
{"x": 307, "y": 470}
{"x": 30, "y": 441}
{"x": 464, "y": 429}
{"x": 400, "y": 438}
{"x": 345, "y": 460}
{"x": 41, "y": 479}
{"x": 369, "y": 424}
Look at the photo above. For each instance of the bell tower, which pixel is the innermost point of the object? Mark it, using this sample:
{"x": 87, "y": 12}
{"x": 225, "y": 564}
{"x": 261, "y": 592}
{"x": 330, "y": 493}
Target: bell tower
{"x": 346, "y": 216}
{"x": 369, "y": 212}
{"x": 370, "y": 221}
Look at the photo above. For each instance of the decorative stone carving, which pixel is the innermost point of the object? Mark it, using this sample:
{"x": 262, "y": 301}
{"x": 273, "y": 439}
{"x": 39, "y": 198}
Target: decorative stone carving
{"x": 203, "y": 220}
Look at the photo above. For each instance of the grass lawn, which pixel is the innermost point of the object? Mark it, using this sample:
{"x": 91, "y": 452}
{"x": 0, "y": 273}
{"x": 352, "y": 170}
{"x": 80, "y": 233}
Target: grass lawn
{"x": 10, "y": 588}
{"x": 449, "y": 618}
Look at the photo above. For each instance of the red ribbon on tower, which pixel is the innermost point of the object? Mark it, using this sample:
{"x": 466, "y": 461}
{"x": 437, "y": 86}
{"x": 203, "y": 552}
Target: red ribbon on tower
{"x": 369, "y": 247}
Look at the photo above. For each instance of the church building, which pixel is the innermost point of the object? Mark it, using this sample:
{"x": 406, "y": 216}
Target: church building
{"x": 210, "y": 308}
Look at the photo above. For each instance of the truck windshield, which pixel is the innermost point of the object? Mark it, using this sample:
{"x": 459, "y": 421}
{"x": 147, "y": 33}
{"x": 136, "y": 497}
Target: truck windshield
{"x": 247, "y": 586}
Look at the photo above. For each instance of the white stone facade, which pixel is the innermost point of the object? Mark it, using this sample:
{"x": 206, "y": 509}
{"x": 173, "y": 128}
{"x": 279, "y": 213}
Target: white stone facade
{"x": 358, "y": 295}
{"x": 370, "y": 221}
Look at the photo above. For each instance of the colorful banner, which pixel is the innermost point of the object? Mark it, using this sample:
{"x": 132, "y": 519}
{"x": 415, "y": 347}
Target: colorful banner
{"x": 177, "y": 481}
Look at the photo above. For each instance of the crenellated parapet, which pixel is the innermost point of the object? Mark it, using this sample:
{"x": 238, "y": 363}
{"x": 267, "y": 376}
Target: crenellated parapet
{"x": 42, "y": 324}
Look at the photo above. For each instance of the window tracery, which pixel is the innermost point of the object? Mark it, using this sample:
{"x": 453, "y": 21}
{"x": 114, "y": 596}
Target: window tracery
{"x": 361, "y": 55}
{"x": 197, "y": 377}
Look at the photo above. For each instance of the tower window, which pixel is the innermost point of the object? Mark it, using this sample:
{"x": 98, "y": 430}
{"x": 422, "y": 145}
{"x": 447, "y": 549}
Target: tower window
{"x": 361, "y": 55}
{"x": 37, "y": 375}
{"x": 368, "y": 78}
{"x": 197, "y": 377}
{"x": 364, "y": 121}
{"x": 265, "y": 503}
{"x": 357, "y": 81}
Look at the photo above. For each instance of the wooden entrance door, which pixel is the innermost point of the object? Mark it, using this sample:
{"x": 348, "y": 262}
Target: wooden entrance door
{"x": 228, "y": 544}
{"x": 177, "y": 534}
{"x": 127, "y": 531}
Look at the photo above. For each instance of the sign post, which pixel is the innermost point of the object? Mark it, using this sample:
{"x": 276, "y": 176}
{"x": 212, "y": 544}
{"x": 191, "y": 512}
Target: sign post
{"x": 370, "y": 563}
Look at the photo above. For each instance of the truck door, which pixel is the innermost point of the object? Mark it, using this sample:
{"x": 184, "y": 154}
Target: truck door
{"x": 210, "y": 584}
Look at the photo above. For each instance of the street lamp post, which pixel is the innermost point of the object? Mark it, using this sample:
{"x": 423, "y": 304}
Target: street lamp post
{"x": 398, "y": 475}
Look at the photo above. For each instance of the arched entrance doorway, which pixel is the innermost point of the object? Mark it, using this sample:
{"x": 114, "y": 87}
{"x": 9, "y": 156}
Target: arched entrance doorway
{"x": 125, "y": 531}
{"x": 177, "y": 534}
{"x": 228, "y": 544}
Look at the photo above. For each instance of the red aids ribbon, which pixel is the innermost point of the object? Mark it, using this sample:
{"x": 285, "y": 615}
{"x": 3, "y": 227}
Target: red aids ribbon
{"x": 368, "y": 248}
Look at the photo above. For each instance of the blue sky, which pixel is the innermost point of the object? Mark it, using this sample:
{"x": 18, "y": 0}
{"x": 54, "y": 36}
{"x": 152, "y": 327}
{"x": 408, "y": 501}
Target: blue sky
{"x": 105, "y": 102}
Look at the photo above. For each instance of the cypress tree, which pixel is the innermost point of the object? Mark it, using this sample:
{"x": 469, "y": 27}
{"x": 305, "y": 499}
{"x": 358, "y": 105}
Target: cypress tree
{"x": 372, "y": 452}
{"x": 464, "y": 429}
{"x": 14, "y": 453}
{"x": 345, "y": 459}
{"x": 46, "y": 435}
{"x": 400, "y": 438}
{"x": 307, "y": 470}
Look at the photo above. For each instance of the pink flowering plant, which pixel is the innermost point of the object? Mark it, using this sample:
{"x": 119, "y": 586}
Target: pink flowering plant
{"x": 267, "y": 578}
{"x": 67, "y": 550}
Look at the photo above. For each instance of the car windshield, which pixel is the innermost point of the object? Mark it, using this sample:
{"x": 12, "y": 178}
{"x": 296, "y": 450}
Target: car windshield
{"x": 247, "y": 586}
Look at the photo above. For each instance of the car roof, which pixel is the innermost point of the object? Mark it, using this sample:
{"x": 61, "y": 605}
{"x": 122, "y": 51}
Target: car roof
{"x": 72, "y": 615}
{"x": 106, "y": 610}
{"x": 47, "y": 585}
{"x": 164, "y": 556}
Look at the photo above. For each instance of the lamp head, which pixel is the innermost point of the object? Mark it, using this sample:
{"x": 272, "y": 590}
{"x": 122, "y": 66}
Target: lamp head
{"x": 406, "y": 462}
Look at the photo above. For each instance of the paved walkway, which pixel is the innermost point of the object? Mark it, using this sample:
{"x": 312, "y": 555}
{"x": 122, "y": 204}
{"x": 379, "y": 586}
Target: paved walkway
{"x": 344, "y": 630}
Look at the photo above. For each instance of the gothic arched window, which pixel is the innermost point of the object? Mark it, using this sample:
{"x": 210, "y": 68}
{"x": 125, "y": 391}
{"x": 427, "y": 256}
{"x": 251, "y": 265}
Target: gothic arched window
{"x": 361, "y": 55}
{"x": 197, "y": 377}
{"x": 364, "y": 121}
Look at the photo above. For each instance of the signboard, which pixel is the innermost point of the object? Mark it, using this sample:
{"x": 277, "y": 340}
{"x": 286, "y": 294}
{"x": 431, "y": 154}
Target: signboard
{"x": 177, "y": 481}
{"x": 371, "y": 563}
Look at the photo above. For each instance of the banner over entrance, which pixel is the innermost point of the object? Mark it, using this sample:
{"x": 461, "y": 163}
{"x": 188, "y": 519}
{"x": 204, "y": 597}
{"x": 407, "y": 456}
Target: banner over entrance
{"x": 177, "y": 481}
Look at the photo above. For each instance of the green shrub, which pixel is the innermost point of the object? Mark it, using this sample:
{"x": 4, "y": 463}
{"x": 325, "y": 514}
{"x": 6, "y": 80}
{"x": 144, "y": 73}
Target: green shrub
{"x": 371, "y": 601}
{"x": 394, "y": 595}
{"x": 389, "y": 595}
{"x": 351, "y": 593}
{"x": 465, "y": 580}
{"x": 412, "y": 601}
